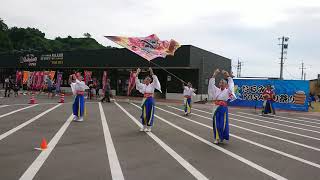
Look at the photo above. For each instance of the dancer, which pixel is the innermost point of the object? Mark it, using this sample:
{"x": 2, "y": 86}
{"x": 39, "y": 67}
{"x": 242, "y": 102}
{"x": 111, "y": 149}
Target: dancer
{"x": 188, "y": 92}
{"x": 107, "y": 92}
{"x": 268, "y": 96}
{"x": 78, "y": 88}
{"x": 220, "y": 97}
{"x": 147, "y": 89}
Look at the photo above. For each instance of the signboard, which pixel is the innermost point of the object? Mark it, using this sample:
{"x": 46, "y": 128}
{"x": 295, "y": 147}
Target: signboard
{"x": 44, "y": 60}
{"x": 289, "y": 94}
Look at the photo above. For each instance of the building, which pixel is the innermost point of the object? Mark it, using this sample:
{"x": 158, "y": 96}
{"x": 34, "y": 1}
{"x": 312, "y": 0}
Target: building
{"x": 190, "y": 63}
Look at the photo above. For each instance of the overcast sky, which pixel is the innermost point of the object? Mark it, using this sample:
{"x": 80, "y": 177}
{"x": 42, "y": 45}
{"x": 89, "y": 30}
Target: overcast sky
{"x": 245, "y": 29}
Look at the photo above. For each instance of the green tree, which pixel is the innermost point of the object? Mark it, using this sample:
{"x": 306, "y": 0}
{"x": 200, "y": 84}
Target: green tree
{"x": 87, "y": 35}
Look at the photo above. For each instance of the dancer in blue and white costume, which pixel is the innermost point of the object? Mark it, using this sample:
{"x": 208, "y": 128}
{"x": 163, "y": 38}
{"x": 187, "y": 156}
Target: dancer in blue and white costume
{"x": 220, "y": 96}
{"x": 78, "y": 88}
{"x": 147, "y": 89}
{"x": 188, "y": 92}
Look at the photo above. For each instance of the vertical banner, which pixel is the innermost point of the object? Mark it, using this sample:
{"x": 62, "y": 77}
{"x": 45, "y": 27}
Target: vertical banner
{"x": 104, "y": 80}
{"x": 40, "y": 83}
{"x": 25, "y": 77}
{"x": 289, "y": 94}
{"x": 132, "y": 82}
{"x": 30, "y": 79}
{"x": 34, "y": 80}
{"x": 59, "y": 81}
{"x": 87, "y": 76}
{"x": 18, "y": 77}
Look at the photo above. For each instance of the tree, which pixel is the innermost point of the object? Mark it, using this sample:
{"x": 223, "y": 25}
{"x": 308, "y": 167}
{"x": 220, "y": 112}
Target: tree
{"x": 3, "y": 26}
{"x": 87, "y": 35}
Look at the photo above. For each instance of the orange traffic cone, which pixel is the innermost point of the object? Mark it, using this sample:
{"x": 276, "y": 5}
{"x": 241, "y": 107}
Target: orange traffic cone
{"x": 32, "y": 99}
{"x": 43, "y": 144}
{"x": 61, "y": 98}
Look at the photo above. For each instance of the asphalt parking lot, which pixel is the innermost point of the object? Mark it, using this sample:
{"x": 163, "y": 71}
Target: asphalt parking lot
{"x": 108, "y": 144}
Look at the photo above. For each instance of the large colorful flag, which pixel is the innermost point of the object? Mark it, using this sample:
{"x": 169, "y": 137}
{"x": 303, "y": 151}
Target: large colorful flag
{"x": 149, "y": 47}
{"x": 132, "y": 82}
{"x": 18, "y": 77}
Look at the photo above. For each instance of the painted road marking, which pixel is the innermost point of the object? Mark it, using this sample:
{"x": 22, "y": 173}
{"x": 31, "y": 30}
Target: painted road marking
{"x": 38, "y": 162}
{"x": 13, "y": 130}
{"x": 246, "y": 161}
{"x": 197, "y": 174}
{"x": 250, "y": 142}
{"x": 284, "y": 120}
{"x": 310, "y": 119}
{"x": 12, "y": 112}
{"x": 267, "y": 127}
{"x": 116, "y": 171}
{"x": 257, "y": 132}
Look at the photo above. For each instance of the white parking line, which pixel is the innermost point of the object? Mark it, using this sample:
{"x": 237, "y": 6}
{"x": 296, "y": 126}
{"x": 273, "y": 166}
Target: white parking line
{"x": 2, "y": 106}
{"x": 12, "y": 112}
{"x": 257, "y": 132}
{"x": 115, "y": 168}
{"x": 294, "y": 127}
{"x": 267, "y": 127}
{"x": 197, "y": 174}
{"x": 38, "y": 162}
{"x": 284, "y": 120}
{"x": 246, "y": 161}
{"x": 13, "y": 130}
{"x": 251, "y": 142}
{"x": 310, "y": 119}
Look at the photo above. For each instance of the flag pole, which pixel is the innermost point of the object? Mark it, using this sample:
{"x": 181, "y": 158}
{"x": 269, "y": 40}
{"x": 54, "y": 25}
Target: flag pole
{"x": 167, "y": 71}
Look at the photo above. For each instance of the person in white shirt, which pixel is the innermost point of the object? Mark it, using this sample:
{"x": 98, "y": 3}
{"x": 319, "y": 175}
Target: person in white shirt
{"x": 78, "y": 88}
{"x": 188, "y": 92}
{"x": 147, "y": 89}
{"x": 220, "y": 96}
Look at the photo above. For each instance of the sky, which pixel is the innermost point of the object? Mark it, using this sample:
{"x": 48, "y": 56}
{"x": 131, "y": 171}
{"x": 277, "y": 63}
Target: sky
{"x": 247, "y": 30}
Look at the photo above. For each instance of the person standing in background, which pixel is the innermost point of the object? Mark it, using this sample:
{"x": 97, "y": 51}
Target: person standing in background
{"x": 7, "y": 86}
{"x": 107, "y": 92}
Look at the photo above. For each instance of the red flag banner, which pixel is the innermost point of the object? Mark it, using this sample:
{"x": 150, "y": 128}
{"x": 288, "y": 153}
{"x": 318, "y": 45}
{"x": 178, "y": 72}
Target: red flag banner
{"x": 149, "y": 47}
{"x": 132, "y": 82}
{"x": 104, "y": 80}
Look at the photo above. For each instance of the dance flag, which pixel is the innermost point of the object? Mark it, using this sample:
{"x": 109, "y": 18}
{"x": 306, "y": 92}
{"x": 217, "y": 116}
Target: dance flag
{"x": 132, "y": 82}
{"x": 149, "y": 47}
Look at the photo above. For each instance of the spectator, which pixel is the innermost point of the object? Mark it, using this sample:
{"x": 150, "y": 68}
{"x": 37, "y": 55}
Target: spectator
{"x": 8, "y": 86}
{"x": 49, "y": 84}
{"x": 107, "y": 92}
{"x": 16, "y": 88}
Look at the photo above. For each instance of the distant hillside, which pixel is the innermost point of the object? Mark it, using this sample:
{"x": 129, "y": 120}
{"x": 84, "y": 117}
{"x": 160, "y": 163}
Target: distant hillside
{"x": 15, "y": 40}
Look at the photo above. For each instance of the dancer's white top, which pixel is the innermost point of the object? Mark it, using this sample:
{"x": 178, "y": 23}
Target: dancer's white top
{"x": 78, "y": 86}
{"x": 217, "y": 94}
{"x": 188, "y": 91}
{"x": 143, "y": 88}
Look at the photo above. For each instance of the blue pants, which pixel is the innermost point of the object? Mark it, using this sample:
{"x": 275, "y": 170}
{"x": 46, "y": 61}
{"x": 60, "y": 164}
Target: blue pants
{"x": 221, "y": 124}
{"x": 78, "y": 106}
{"x": 147, "y": 115}
{"x": 187, "y": 105}
{"x": 268, "y": 107}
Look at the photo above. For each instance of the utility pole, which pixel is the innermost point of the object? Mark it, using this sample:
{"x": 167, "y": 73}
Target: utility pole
{"x": 303, "y": 75}
{"x": 239, "y": 66}
{"x": 284, "y": 47}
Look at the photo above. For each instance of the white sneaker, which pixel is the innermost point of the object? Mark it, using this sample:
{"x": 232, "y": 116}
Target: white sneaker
{"x": 143, "y": 128}
{"x": 80, "y": 119}
{"x": 148, "y": 129}
{"x": 216, "y": 142}
{"x": 75, "y": 118}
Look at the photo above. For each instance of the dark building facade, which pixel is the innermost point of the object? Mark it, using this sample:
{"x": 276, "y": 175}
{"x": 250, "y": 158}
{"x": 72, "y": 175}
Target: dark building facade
{"x": 189, "y": 63}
